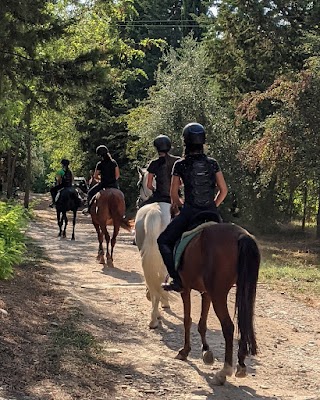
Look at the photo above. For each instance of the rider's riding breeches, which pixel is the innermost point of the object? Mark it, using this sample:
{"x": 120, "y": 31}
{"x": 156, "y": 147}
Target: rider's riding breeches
{"x": 169, "y": 237}
{"x": 54, "y": 191}
{"x": 94, "y": 190}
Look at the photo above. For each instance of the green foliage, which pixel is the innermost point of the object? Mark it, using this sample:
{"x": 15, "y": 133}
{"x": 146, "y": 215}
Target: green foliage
{"x": 13, "y": 220}
{"x": 184, "y": 92}
{"x": 251, "y": 43}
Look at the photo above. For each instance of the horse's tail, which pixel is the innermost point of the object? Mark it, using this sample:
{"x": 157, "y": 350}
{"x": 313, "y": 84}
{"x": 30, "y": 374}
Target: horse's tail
{"x": 127, "y": 224}
{"x": 248, "y": 270}
{"x": 152, "y": 262}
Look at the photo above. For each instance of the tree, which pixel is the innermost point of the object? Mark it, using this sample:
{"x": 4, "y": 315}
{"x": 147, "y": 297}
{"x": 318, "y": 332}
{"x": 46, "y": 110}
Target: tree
{"x": 253, "y": 42}
{"x": 286, "y": 150}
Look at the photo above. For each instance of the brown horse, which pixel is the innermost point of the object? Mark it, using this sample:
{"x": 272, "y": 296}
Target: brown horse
{"x": 220, "y": 256}
{"x": 108, "y": 208}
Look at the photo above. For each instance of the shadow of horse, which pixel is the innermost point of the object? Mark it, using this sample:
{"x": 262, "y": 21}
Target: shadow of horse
{"x": 68, "y": 200}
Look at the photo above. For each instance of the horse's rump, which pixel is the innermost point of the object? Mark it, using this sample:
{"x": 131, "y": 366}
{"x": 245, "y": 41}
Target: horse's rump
{"x": 109, "y": 207}
{"x": 68, "y": 199}
{"x": 215, "y": 253}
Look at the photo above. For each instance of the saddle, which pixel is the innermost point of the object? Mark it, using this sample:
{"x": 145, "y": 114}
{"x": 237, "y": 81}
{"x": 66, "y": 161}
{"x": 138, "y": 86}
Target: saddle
{"x": 196, "y": 226}
{"x": 66, "y": 192}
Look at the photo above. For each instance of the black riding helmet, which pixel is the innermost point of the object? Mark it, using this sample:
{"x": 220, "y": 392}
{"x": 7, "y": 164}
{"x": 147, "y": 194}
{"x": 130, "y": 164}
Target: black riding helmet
{"x": 65, "y": 162}
{"x": 102, "y": 150}
{"x": 194, "y": 133}
{"x": 162, "y": 143}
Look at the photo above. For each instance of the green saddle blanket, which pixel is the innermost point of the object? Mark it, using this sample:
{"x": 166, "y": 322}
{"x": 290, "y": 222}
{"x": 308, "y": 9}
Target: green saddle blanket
{"x": 185, "y": 239}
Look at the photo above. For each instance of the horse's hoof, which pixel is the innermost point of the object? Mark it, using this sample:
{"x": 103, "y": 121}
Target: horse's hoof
{"x": 110, "y": 263}
{"x": 181, "y": 356}
{"x": 207, "y": 357}
{"x": 241, "y": 371}
{"x": 73, "y": 238}
{"x": 219, "y": 379}
{"x": 154, "y": 324}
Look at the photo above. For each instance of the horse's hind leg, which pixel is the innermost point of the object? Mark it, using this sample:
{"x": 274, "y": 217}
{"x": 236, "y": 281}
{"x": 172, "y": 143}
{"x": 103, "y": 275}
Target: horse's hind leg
{"x": 74, "y": 224}
{"x": 116, "y": 229}
{"x": 65, "y": 218}
{"x": 219, "y": 302}
{"x": 60, "y": 222}
{"x": 155, "y": 312}
{"x": 165, "y": 300}
{"x": 241, "y": 367}
{"x": 100, "y": 256}
{"x": 107, "y": 237}
{"x": 207, "y": 355}
{"x": 187, "y": 321}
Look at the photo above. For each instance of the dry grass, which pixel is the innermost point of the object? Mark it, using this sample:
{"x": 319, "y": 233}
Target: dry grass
{"x": 291, "y": 262}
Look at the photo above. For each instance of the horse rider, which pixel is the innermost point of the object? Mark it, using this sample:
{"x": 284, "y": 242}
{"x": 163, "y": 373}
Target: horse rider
{"x": 106, "y": 172}
{"x": 201, "y": 176}
{"x": 160, "y": 169}
{"x": 64, "y": 178}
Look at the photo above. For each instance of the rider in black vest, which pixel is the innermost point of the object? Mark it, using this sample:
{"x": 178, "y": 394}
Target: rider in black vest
{"x": 64, "y": 178}
{"x": 201, "y": 177}
{"x": 160, "y": 170}
{"x": 107, "y": 172}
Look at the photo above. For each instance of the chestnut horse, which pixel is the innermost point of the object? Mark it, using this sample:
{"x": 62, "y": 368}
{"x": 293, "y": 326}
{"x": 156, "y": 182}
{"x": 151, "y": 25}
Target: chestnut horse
{"x": 220, "y": 256}
{"x": 108, "y": 208}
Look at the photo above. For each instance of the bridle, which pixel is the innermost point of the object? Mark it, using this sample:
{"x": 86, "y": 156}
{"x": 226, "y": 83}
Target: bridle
{"x": 142, "y": 188}
{"x": 143, "y": 191}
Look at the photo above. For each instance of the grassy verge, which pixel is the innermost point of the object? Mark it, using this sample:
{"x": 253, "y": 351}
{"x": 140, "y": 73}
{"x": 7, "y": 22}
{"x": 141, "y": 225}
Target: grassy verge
{"x": 13, "y": 220}
{"x": 291, "y": 262}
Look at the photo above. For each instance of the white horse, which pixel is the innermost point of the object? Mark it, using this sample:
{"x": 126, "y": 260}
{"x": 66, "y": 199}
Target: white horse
{"x": 150, "y": 221}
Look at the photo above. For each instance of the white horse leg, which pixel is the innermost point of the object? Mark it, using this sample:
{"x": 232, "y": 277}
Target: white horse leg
{"x": 165, "y": 300}
{"x": 155, "y": 312}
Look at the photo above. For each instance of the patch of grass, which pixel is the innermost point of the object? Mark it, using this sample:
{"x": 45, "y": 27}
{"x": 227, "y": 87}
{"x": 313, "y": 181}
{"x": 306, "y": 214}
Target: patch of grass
{"x": 69, "y": 334}
{"x": 291, "y": 264}
{"x": 296, "y": 279}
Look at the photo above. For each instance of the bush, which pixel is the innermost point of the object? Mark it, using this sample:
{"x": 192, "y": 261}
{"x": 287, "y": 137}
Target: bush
{"x": 13, "y": 220}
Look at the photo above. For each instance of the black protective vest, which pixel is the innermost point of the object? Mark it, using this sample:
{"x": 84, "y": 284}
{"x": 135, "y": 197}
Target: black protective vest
{"x": 163, "y": 174}
{"x": 199, "y": 181}
{"x": 67, "y": 178}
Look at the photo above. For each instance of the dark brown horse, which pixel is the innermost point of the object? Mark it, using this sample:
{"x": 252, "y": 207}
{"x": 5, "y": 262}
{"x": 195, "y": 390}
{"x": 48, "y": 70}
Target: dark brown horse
{"x": 68, "y": 200}
{"x": 108, "y": 208}
{"x": 220, "y": 256}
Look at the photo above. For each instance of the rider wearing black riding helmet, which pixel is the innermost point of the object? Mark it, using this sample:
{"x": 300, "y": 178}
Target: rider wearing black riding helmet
{"x": 160, "y": 169}
{"x": 204, "y": 188}
{"x": 64, "y": 178}
{"x": 107, "y": 173}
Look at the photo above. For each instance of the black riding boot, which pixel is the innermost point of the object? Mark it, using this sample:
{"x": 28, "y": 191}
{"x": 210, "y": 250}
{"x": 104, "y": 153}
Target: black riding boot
{"x": 167, "y": 255}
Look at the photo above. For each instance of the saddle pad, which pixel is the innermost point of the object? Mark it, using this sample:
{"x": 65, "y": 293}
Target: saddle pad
{"x": 186, "y": 238}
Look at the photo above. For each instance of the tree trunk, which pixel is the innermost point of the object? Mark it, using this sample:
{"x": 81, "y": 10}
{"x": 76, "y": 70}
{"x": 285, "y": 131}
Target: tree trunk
{"x": 29, "y": 147}
{"x": 28, "y": 170}
{"x": 305, "y": 198}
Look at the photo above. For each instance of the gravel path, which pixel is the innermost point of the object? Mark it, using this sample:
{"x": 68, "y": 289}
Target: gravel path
{"x": 117, "y": 311}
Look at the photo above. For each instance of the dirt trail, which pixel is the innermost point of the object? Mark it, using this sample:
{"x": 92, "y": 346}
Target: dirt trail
{"x": 117, "y": 312}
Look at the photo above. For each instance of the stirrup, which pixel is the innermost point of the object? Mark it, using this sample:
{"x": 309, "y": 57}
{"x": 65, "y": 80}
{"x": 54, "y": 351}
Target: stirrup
{"x": 174, "y": 285}
{"x": 85, "y": 211}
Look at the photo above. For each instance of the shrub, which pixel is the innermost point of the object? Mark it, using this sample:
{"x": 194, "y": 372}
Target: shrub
{"x": 13, "y": 220}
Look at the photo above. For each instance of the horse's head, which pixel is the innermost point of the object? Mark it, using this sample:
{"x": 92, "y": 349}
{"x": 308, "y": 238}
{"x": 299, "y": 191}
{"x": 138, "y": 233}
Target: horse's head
{"x": 144, "y": 192}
